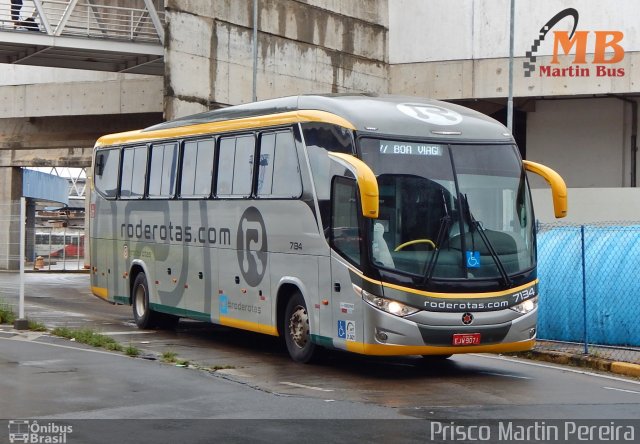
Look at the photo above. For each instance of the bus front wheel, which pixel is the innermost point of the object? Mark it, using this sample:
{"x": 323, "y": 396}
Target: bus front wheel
{"x": 296, "y": 330}
{"x": 145, "y": 318}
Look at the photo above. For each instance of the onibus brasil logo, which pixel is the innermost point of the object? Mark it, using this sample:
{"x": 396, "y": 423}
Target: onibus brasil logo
{"x": 23, "y": 431}
{"x": 606, "y": 53}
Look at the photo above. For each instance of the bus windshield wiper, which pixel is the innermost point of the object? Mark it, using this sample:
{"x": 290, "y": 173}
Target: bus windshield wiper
{"x": 475, "y": 225}
{"x": 445, "y": 224}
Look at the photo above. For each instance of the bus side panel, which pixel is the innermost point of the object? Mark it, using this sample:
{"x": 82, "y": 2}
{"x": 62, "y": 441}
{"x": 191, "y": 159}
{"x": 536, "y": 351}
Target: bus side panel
{"x": 201, "y": 293}
{"x": 244, "y": 304}
{"x": 102, "y": 231}
{"x": 301, "y": 271}
{"x": 171, "y": 264}
{"x": 201, "y": 290}
{"x": 347, "y": 308}
{"x": 325, "y": 321}
{"x": 151, "y": 238}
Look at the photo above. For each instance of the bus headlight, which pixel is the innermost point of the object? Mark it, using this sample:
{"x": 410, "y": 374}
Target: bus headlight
{"x": 526, "y": 306}
{"x": 389, "y": 305}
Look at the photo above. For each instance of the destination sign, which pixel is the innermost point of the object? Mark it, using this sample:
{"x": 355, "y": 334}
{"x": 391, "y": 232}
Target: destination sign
{"x": 410, "y": 148}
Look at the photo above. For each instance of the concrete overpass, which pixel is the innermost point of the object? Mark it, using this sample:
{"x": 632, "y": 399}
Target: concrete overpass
{"x": 55, "y": 123}
{"x": 52, "y": 117}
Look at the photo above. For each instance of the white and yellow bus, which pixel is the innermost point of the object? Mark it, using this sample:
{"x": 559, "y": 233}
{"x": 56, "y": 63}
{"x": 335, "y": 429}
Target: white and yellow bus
{"x": 377, "y": 225}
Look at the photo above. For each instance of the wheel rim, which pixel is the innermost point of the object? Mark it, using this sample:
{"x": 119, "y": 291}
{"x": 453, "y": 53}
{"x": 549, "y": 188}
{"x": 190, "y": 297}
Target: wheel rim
{"x": 299, "y": 326}
{"x": 140, "y": 304}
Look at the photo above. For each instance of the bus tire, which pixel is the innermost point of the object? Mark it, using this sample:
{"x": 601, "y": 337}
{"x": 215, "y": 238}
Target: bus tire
{"x": 296, "y": 330}
{"x": 145, "y": 318}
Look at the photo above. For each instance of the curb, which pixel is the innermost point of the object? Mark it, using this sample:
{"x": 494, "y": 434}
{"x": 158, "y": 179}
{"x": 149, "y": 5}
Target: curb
{"x": 620, "y": 368}
{"x": 625, "y": 368}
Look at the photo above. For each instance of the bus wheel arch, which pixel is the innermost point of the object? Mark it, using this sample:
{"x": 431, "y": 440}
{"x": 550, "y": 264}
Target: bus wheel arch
{"x": 136, "y": 269}
{"x": 293, "y": 323}
{"x": 144, "y": 317}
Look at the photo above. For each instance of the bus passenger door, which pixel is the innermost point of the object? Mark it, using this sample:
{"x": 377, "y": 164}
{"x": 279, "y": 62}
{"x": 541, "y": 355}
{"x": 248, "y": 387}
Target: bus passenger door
{"x": 346, "y": 243}
{"x": 102, "y": 231}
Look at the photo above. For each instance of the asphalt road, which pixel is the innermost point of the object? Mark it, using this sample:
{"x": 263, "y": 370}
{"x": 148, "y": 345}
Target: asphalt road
{"x": 42, "y": 377}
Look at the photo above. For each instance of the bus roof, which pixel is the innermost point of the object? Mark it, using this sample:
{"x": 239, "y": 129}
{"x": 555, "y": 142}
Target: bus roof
{"x": 366, "y": 113}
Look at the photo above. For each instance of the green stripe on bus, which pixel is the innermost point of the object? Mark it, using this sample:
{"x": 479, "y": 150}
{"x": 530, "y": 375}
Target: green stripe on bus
{"x": 121, "y": 300}
{"x": 323, "y": 341}
{"x": 182, "y": 312}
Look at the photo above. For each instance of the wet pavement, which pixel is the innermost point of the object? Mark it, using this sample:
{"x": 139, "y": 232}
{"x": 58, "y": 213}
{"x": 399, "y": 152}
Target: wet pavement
{"x": 469, "y": 386}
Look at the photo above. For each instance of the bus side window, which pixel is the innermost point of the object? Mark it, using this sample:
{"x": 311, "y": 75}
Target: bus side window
{"x": 345, "y": 231}
{"x": 162, "y": 173}
{"x": 134, "y": 169}
{"x": 107, "y": 164}
{"x": 235, "y": 166}
{"x": 278, "y": 168}
{"x": 321, "y": 138}
{"x": 197, "y": 168}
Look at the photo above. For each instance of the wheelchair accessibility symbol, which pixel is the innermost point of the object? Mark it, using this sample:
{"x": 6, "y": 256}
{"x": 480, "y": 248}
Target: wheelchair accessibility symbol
{"x": 347, "y": 330}
{"x": 342, "y": 329}
{"x": 473, "y": 259}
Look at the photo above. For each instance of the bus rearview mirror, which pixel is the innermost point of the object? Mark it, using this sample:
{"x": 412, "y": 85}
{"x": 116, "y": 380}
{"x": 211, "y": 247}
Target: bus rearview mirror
{"x": 367, "y": 184}
{"x": 555, "y": 181}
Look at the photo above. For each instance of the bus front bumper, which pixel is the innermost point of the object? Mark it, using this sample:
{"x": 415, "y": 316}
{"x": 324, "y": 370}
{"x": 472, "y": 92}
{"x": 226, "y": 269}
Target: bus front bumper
{"x": 501, "y": 331}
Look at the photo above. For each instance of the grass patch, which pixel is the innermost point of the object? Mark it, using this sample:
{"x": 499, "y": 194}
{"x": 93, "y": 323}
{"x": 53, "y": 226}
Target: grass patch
{"x": 132, "y": 351}
{"x": 7, "y": 316}
{"x": 89, "y": 337}
{"x": 182, "y": 362}
{"x": 36, "y": 326}
{"x": 113, "y": 346}
{"x": 169, "y": 356}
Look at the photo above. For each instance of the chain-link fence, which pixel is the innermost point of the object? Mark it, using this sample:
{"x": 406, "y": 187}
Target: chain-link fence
{"x": 56, "y": 249}
{"x": 47, "y": 248}
{"x": 10, "y": 236}
{"x": 589, "y": 290}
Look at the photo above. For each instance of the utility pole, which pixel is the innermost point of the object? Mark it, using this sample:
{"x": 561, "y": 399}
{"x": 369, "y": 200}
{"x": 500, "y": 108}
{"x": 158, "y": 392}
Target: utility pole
{"x": 255, "y": 50}
{"x": 510, "y": 99}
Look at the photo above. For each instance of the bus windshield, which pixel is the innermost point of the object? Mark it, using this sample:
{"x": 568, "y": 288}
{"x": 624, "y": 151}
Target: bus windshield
{"x": 450, "y": 211}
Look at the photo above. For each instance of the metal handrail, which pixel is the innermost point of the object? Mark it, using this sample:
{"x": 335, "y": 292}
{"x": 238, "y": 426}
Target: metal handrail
{"x": 85, "y": 18}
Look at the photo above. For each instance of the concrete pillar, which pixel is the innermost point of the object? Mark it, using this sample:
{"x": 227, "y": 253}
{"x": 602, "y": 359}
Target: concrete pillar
{"x": 10, "y": 193}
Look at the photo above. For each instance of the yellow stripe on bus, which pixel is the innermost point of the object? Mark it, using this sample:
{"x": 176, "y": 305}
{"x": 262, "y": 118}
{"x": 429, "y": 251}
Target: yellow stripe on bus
{"x": 101, "y": 292}
{"x": 248, "y": 325}
{"x": 490, "y": 294}
{"x": 224, "y": 126}
{"x": 398, "y": 350}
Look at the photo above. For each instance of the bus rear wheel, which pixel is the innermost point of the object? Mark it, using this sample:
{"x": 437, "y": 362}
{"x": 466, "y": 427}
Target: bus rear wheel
{"x": 145, "y": 317}
{"x": 296, "y": 330}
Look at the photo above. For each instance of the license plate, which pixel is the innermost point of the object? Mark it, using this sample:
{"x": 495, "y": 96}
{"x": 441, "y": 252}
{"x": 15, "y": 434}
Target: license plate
{"x": 466, "y": 339}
